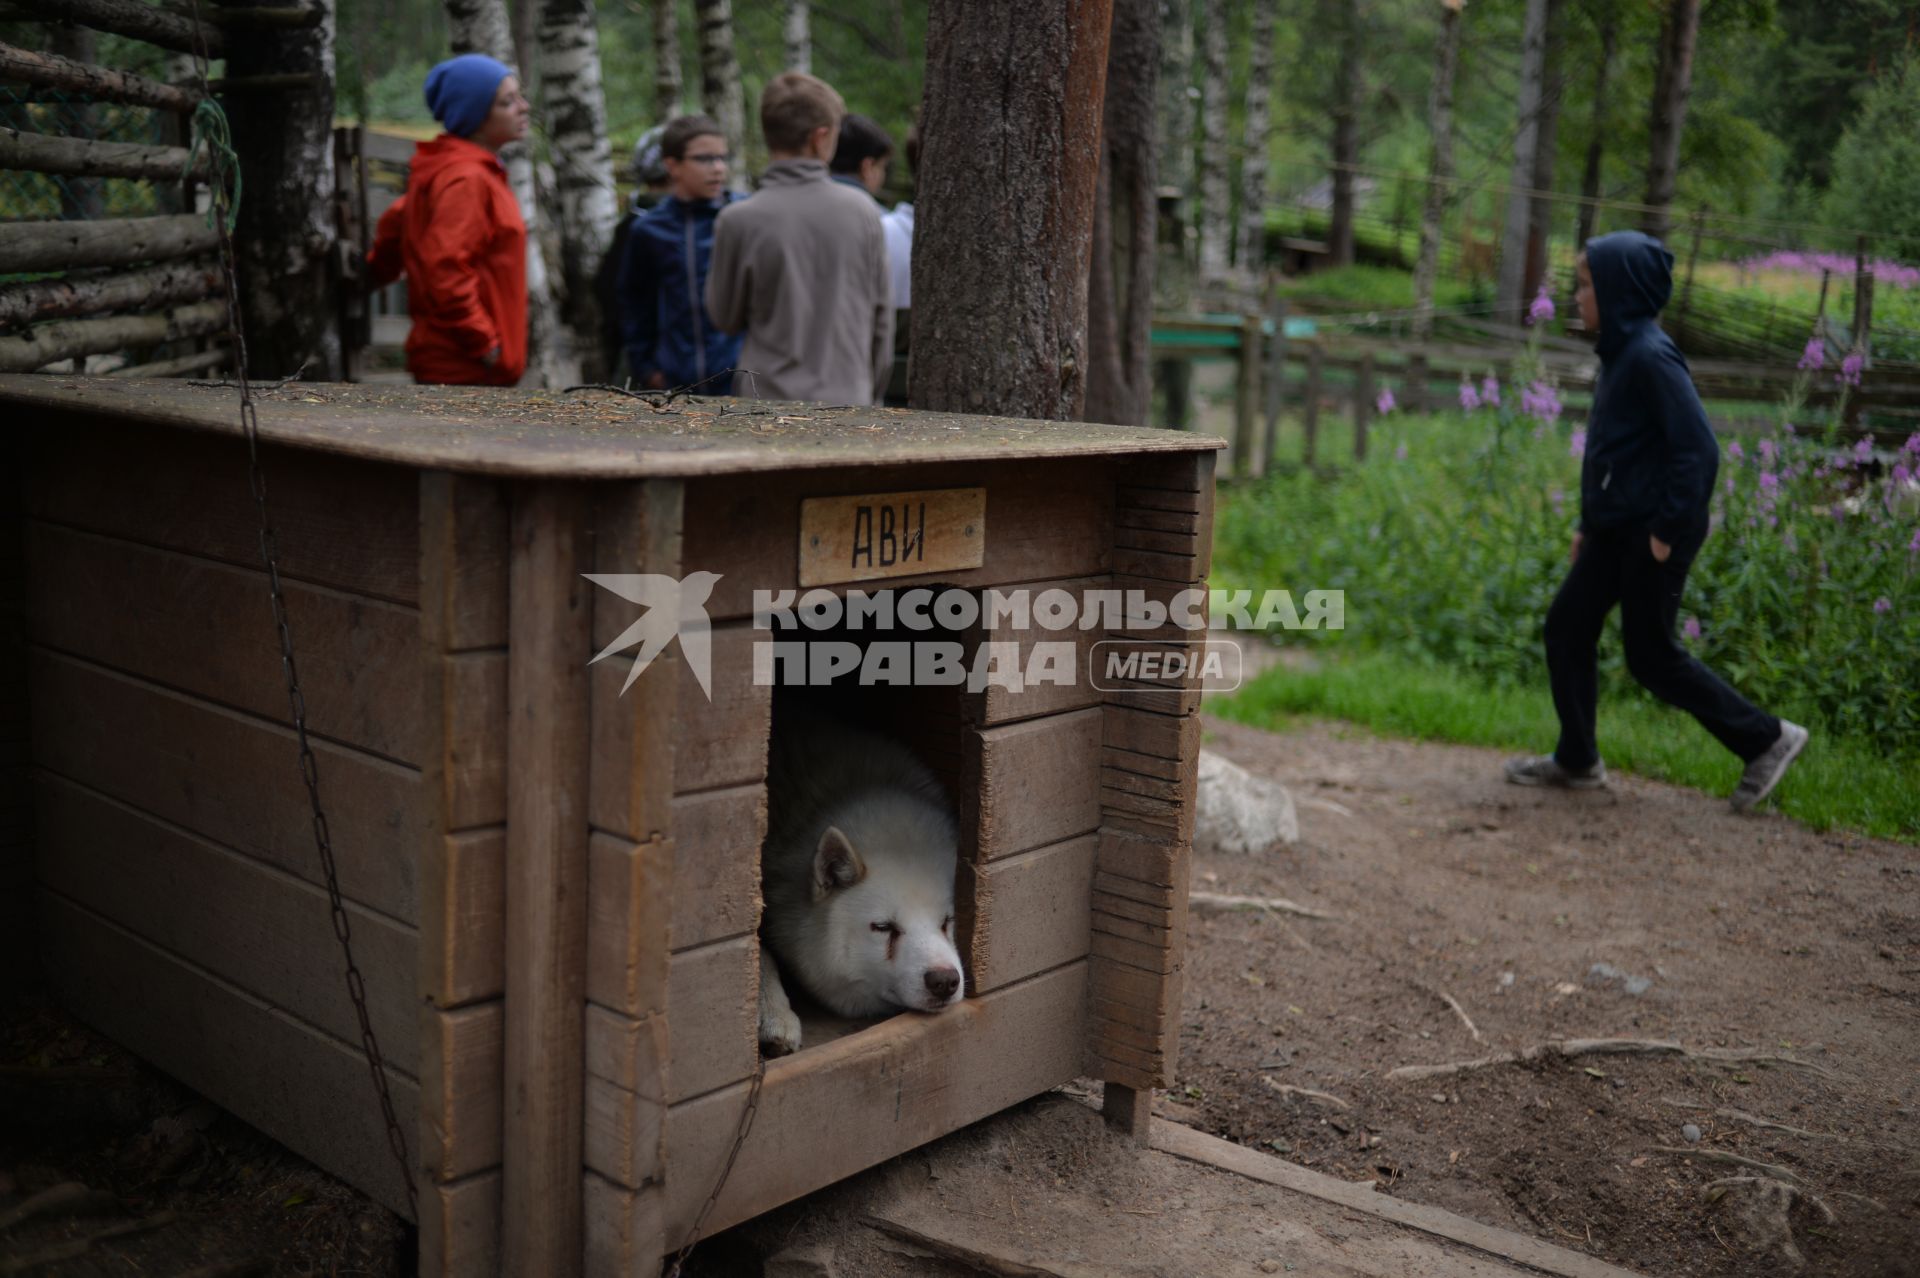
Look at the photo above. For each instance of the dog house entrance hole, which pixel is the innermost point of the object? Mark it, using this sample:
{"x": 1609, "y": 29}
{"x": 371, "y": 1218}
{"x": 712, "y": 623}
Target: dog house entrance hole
{"x": 930, "y": 721}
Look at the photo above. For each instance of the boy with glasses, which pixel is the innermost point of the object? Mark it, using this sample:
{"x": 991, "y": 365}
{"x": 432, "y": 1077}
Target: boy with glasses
{"x": 669, "y": 339}
{"x": 801, "y": 268}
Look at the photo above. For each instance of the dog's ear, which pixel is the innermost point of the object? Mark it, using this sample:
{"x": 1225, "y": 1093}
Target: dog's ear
{"x": 835, "y": 863}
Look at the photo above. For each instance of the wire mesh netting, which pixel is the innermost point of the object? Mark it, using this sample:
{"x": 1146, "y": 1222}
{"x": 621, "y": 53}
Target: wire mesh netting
{"x": 28, "y": 196}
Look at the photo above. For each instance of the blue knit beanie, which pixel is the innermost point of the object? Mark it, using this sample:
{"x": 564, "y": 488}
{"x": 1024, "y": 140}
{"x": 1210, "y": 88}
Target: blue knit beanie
{"x": 460, "y": 91}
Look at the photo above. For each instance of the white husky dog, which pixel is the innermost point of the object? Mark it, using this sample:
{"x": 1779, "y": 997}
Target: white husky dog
{"x": 857, "y": 873}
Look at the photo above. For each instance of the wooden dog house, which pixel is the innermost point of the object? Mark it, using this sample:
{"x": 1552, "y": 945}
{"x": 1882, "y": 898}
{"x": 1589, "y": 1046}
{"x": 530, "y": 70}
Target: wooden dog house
{"x": 553, "y": 887}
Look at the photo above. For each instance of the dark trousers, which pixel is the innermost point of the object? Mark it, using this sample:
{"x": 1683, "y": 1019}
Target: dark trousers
{"x": 1617, "y": 566}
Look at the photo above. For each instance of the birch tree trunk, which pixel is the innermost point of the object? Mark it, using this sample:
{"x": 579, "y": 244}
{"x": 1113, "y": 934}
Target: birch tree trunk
{"x": 1252, "y": 256}
{"x": 1672, "y": 82}
{"x": 1006, "y": 206}
{"x": 720, "y": 93}
{"x": 1216, "y": 211}
{"x": 1174, "y": 280}
{"x": 1349, "y": 83}
{"x": 666, "y": 60}
{"x": 1546, "y": 149}
{"x": 1608, "y": 20}
{"x": 482, "y": 26}
{"x": 576, "y": 110}
{"x": 1120, "y": 290}
{"x": 1508, "y": 303}
{"x": 1439, "y": 169}
{"x": 284, "y": 240}
{"x": 799, "y": 33}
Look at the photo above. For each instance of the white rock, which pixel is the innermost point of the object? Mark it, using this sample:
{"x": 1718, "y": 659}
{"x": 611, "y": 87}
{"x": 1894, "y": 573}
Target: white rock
{"x": 1238, "y": 812}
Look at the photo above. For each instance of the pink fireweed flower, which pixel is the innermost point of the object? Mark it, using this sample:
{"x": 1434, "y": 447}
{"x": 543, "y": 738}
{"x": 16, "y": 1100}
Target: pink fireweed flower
{"x": 1849, "y": 374}
{"x": 1692, "y": 629}
{"x": 1913, "y": 547}
{"x": 1540, "y": 401}
{"x": 1577, "y": 444}
{"x": 1901, "y": 475}
{"x": 1768, "y": 450}
{"x": 1863, "y": 450}
{"x": 1913, "y": 443}
{"x": 1384, "y": 402}
{"x": 1469, "y": 397}
{"x": 1769, "y": 482}
{"x": 1814, "y": 356}
{"x": 1734, "y": 451}
{"x": 1729, "y": 485}
{"x": 1541, "y": 309}
{"x": 1883, "y": 604}
{"x": 1490, "y": 391}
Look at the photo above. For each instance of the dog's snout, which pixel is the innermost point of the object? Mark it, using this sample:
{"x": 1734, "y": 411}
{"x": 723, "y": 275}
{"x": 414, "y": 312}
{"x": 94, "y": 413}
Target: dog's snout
{"x": 942, "y": 981}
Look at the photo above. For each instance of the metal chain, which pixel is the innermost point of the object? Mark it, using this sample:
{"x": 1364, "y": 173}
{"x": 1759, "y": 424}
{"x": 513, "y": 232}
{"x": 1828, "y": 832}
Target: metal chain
{"x": 223, "y": 210}
{"x": 739, "y": 1139}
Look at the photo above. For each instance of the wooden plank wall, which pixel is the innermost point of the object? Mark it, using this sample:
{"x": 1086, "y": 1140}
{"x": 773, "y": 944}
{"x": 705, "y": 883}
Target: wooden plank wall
{"x": 183, "y": 910}
{"x": 1150, "y": 742}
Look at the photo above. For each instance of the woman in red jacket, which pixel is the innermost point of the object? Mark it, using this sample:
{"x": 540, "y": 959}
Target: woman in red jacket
{"x": 457, "y": 233}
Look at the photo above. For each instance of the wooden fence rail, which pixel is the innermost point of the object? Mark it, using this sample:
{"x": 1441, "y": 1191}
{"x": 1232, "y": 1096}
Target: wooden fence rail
{"x": 51, "y": 71}
{"x": 63, "y": 297}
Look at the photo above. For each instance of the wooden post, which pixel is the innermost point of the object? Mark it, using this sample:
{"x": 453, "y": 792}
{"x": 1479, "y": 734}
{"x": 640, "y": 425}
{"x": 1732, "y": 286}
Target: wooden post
{"x": 1246, "y": 406}
{"x": 1275, "y": 382}
{"x": 1129, "y": 1111}
{"x": 1316, "y": 355}
{"x": 1693, "y": 259}
{"x": 1414, "y": 392}
{"x": 550, "y": 626}
{"x": 1862, "y": 296}
{"x": 1362, "y": 406}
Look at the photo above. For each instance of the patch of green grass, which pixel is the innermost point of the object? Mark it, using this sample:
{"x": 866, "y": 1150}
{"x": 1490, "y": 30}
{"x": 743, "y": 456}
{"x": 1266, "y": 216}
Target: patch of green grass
{"x": 1363, "y": 287}
{"x": 1838, "y": 782}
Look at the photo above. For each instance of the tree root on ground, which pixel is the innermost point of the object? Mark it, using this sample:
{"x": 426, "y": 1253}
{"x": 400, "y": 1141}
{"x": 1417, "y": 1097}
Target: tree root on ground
{"x": 1568, "y": 1048}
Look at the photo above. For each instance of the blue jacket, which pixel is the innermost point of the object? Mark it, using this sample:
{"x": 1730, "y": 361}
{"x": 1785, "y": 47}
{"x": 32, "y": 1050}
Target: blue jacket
{"x": 663, "y": 279}
{"x": 1651, "y": 455}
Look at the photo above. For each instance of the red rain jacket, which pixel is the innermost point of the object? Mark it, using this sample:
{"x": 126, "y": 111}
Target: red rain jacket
{"x": 458, "y": 237}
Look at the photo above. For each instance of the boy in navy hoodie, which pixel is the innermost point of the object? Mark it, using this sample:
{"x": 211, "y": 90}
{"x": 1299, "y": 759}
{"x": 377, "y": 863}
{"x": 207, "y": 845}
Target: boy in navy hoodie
{"x": 670, "y": 341}
{"x": 1644, "y": 485}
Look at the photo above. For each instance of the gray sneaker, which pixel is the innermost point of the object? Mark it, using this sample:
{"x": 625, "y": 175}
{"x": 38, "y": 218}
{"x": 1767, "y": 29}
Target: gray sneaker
{"x": 1544, "y": 769}
{"x": 1765, "y": 772}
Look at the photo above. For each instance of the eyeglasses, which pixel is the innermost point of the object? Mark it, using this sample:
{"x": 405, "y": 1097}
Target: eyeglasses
{"x": 708, "y": 161}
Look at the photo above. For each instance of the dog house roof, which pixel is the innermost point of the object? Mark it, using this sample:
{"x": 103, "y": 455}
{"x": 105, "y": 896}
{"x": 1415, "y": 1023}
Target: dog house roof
{"x": 592, "y": 434}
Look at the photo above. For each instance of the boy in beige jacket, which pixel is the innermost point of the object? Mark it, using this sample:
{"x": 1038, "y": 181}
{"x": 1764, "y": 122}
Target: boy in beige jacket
{"x": 802, "y": 265}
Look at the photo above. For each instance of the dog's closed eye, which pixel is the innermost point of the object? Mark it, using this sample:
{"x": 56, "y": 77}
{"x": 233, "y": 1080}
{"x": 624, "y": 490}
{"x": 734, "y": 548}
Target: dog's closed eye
{"x": 892, "y": 930}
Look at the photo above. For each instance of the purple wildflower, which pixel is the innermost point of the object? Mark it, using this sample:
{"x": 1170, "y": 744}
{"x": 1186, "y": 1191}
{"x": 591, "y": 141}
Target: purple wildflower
{"x": 1913, "y": 443}
{"x": 1769, "y": 482}
{"x": 1768, "y": 451}
{"x": 1384, "y": 404}
{"x": 1863, "y": 450}
{"x": 1692, "y": 629}
{"x": 1814, "y": 356}
{"x": 1541, "y": 402}
{"x": 1400, "y": 453}
{"x": 1558, "y": 498}
{"x": 1913, "y": 547}
{"x": 1883, "y": 604}
{"x": 1577, "y": 444}
{"x": 1490, "y": 391}
{"x": 1735, "y": 452}
{"x": 1901, "y": 475}
{"x": 1541, "y": 309}
{"x": 1469, "y": 397}
{"x": 1729, "y": 485}
{"x": 1849, "y": 374}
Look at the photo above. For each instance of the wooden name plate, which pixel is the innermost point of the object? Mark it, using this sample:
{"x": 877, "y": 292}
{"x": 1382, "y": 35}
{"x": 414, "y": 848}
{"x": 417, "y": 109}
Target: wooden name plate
{"x": 869, "y": 535}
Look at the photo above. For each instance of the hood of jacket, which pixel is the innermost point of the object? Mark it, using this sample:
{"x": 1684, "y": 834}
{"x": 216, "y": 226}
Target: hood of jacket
{"x": 447, "y": 155}
{"x": 1632, "y": 280}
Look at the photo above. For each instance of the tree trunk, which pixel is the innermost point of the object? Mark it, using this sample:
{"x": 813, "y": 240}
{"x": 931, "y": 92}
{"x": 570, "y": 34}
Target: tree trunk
{"x": 1349, "y": 84}
{"x": 284, "y": 240}
{"x": 1672, "y": 81}
{"x": 666, "y": 60}
{"x": 1252, "y": 256}
{"x": 1173, "y": 280}
{"x": 720, "y": 93}
{"x": 1216, "y": 198}
{"x": 1120, "y": 290}
{"x": 1439, "y": 169}
{"x": 1007, "y": 183}
{"x": 1508, "y": 304}
{"x": 799, "y": 33}
{"x": 1545, "y": 151}
{"x": 482, "y": 26}
{"x": 1609, "y": 23}
{"x": 576, "y": 109}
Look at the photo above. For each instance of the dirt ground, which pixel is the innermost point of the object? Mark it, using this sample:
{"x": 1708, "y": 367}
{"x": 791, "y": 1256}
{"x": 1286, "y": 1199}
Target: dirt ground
{"x": 1644, "y": 911}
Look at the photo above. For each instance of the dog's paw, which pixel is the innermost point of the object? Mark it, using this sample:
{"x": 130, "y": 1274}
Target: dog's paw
{"x": 779, "y": 1031}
